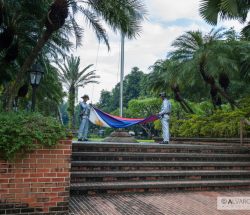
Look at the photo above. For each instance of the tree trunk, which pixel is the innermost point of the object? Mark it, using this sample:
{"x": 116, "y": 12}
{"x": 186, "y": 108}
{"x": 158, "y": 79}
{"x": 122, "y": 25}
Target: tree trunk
{"x": 184, "y": 104}
{"x": 183, "y": 107}
{"x": 71, "y": 108}
{"x": 187, "y": 106}
{"x": 13, "y": 87}
{"x": 225, "y": 95}
{"x": 222, "y": 92}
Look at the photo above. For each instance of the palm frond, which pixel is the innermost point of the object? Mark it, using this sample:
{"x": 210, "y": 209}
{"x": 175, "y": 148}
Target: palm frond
{"x": 124, "y": 16}
{"x": 209, "y": 10}
{"x": 94, "y": 22}
{"x": 78, "y": 31}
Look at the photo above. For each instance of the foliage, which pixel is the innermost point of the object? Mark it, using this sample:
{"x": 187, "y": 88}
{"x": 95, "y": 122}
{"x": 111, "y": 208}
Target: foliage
{"x": 198, "y": 62}
{"x": 72, "y": 77}
{"x": 142, "y": 108}
{"x": 25, "y": 19}
{"x": 218, "y": 123}
{"x": 58, "y": 16}
{"x": 221, "y": 123}
{"x": 212, "y": 10}
{"x": 21, "y": 132}
{"x": 134, "y": 86}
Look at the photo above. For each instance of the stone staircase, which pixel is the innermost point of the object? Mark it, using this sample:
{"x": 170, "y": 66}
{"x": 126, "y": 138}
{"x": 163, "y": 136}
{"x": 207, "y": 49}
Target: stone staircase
{"x": 139, "y": 167}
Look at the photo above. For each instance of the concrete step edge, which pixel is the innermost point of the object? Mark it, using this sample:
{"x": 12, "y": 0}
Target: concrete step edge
{"x": 157, "y": 184}
{"x": 158, "y": 146}
{"x": 159, "y": 173}
{"x": 145, "y": 154}
{"x": 156, "y": 163}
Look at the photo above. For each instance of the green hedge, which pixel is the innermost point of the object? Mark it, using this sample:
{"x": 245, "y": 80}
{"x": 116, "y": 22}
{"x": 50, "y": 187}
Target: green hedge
{"x": 222, "y": 123}
{"x": 19, "y": 133}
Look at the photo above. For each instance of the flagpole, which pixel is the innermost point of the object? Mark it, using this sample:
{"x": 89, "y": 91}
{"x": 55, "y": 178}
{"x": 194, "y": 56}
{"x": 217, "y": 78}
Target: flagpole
{"x": 122, "y": 74}
{"x": 120, "y": 135}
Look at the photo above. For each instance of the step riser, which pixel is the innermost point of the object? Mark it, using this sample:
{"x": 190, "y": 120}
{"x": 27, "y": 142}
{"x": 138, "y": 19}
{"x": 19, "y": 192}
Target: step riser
{"x": 134, "y": 168}
{"x": 157, "y": 178}
{"x": 86, "y": 177}
{"x": 149, "y": 158}
{"x": 169, "y": 189}
{"x": 159, "y": 150}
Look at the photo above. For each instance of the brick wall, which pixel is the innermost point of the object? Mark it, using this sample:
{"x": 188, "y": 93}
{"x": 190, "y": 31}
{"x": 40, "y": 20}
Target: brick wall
{"x": 38, "y": 183}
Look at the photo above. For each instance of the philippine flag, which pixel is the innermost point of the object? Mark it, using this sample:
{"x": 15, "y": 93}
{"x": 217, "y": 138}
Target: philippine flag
{"x": 103, "y": 119}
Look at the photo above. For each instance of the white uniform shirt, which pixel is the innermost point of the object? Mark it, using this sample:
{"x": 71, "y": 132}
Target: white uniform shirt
{"x": 165, "y": 107}
{"x": 85, "y": 109}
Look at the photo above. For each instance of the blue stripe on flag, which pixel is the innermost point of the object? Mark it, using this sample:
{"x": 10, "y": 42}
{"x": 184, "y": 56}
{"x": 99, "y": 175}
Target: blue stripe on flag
{"x": 117, "y": 123}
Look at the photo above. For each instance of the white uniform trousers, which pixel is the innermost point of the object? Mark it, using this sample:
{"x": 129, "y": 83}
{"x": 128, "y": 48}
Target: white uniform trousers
{"x": 84, "y": 127}
{"x": 165, "y": 127}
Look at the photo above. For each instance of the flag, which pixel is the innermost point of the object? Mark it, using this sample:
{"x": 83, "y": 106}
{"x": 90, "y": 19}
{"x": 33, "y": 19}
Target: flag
{"x": 103, "y": 119}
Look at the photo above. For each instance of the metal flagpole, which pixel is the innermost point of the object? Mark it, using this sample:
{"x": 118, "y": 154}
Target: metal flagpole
{"x": 121, "y": 135}
{"x": 122, "y": 73}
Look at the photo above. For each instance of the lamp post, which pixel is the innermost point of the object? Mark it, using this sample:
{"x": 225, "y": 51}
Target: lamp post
{"x": 36, "y": 74}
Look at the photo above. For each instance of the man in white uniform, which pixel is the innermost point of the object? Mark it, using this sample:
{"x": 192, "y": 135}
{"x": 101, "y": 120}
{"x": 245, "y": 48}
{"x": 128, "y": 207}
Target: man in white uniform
{"x": 84, "y": 114}
{"x": 164, "y": 116}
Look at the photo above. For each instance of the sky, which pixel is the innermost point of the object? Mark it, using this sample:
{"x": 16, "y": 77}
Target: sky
{"x": 166, "y": 20}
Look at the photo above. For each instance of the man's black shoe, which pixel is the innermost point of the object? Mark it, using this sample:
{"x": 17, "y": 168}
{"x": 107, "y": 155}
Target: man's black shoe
{"x": 79, "y": 139}
{"x": 164, "y": 142}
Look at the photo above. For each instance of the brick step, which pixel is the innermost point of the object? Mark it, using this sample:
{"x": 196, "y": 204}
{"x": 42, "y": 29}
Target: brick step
{"x": 210, "y": 140}
{"x": 155, "y": 148}
{"x": 134, "y": 156}
{"x": 144, "y": 165}
{"x": 105, "y": 176}
{"x": 138, "y": 186}
{"x": 216, "y": 144}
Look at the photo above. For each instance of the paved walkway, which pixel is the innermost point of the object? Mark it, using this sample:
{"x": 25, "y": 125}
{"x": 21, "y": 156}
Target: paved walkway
{"x": 185, "y": 203}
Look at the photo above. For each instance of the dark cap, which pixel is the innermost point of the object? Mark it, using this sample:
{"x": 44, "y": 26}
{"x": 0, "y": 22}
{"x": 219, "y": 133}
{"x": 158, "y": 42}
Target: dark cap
{"x": 162, "y": 94}
{"x": 85, "y": 96}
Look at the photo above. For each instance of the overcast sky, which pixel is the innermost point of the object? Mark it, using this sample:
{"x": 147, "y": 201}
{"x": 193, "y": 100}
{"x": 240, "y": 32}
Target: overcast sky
{"x": 166, "y": 20}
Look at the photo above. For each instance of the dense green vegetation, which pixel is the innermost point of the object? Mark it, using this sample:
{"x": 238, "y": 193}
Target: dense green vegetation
{"x": 43, "y": 32}
{"x": 206, "y": 74}
{"x": 73, "y": 78}
{"x": 224, "y": 122}
{"x": 212, "y": 11}
{"x": 208, "y": 77}
{"x": 19, "y": 130}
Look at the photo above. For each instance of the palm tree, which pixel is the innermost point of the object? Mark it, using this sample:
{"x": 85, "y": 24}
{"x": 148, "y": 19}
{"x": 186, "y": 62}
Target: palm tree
{"x": 25, "y": 28}
{"x": 72, "y": 78}
{"x": 124, "y": 16}
{"x": 177, "y": 95}
{"x": 212, "y": 10}
{"x": 205, "y": 56}
{"x": 163, "y": 77}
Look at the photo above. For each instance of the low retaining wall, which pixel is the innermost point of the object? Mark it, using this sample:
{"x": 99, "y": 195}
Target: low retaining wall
{"x": 38, "y": 183}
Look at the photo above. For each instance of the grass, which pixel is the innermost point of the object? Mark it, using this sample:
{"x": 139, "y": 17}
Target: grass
{"x": 146, "y": 141}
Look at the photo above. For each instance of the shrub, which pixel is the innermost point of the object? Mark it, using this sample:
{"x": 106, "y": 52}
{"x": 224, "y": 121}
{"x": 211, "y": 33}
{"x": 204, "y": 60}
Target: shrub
{"x": 23, "y": 132}
{"x": 219, "y": 124}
